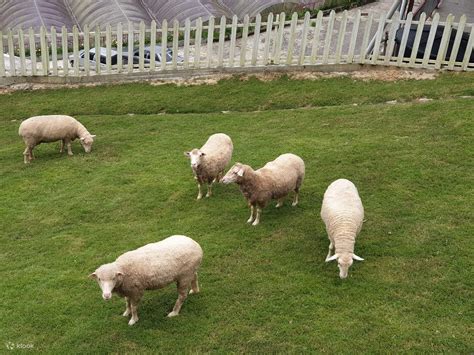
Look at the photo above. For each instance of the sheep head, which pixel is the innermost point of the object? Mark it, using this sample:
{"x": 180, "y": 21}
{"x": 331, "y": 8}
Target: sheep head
{"x": 107, "y": 276}
{"x": 344, "y": 262}
{"x": 235, "y": 174}
{"x": 196, "y": 156}
{"x": 87, "y": 141}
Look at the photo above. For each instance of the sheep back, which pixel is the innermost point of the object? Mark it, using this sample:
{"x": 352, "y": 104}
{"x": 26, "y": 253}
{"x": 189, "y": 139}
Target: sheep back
{"x": 156, "y": 265}
{"x": 343, "y": 213}
{"x": 218, "y": 153}
{"x": 39, "y": 129}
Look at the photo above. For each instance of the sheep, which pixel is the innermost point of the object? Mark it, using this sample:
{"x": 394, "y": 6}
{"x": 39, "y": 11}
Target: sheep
{"x": 209, "y": 162}
{"x": 274, "y": 181}
{"x": 343, "y": 214}
{"x": 52, "y": 128}
{"x": 153, "y": 266}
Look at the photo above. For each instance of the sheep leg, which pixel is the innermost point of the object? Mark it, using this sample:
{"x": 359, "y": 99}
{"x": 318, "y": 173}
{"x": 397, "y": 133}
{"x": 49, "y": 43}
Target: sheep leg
{"x": 27, "y": 155}
{"x": 199, "y": 196}
{"x": 182, "y": 294}
{"x": 252, "y": 209}
{"x": 127, "y": 308}
{"x": 331, "y": 247}
{"x": 134, "y": 311}
{"x": 69, "y": 149}
{"x": 257, "y": 218}
{"x": 61, "y": 146}
{"x": 209, "y": 188}
{"x": 194, "y": 284}
{"x": 295, "y": 199}
{"x": 280, "y": 202}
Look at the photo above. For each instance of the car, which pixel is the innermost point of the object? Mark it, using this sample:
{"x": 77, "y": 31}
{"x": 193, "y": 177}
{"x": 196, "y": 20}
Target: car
{"x": 102, "y": 58}
{"x": 436, "y": 43}
{"x": 147, "y": 52}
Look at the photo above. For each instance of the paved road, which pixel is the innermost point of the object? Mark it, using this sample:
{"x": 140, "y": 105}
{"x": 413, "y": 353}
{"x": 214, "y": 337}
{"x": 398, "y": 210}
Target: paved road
{"x": 457, "y": 8}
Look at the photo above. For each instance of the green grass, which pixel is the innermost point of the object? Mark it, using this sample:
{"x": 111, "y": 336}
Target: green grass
{"x": 264, "y": 288}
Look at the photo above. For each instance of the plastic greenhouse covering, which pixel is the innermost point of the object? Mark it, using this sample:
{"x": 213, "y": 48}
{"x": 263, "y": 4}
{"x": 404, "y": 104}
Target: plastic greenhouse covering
{"x": 36, "y": 13}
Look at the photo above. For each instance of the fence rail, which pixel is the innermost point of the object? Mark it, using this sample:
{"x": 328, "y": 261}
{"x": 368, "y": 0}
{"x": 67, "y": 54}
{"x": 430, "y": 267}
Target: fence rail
{"x": 224, "y": 43}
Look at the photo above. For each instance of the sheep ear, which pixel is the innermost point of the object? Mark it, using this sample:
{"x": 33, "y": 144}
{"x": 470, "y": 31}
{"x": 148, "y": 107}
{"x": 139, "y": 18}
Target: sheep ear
{"x": 240, "y": 172}
{"x": 186, "y": 154}
{"x": 358, "y": 258}
{"x": 334, "y": 257}
{"x": 93, "y": 136}
{"x": 119, "y": 273}
{"x": 82, "y": 139}
{"x": 93, "y": 275}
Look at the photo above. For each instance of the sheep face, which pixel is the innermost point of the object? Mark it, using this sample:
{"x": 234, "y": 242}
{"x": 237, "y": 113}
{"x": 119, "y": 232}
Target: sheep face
{"x": 235, "y": 174}
{"x": 196, "y": 157}
{"x": 86, "y": 142}
{"x": 344, "y": 262}
{"x": 107, "y": 276}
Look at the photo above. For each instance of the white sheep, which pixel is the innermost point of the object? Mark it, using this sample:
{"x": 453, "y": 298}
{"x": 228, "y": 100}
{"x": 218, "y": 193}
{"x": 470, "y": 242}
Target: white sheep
{"x": 274, "y": 181}
{"x": 209, "y": 162}
{"x": 45, "y": 129}
{"x": 151, "y": 267}
{"x": 343, "y": 214}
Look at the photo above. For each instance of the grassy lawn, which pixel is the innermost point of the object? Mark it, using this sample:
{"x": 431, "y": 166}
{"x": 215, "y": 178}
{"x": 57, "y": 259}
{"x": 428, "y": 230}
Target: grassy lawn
{"x": 264, "y": 288}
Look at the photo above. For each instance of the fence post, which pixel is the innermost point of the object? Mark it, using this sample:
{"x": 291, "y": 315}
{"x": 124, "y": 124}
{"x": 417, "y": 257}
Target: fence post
{"x": 31, "y": 36}
{"x": 197, "y": 43}
{"x": 304, "y": 40}
{"x": 317, "y": 32}
{"x": 457, "y": 42}
{"x": 97, "y": 49}
{"x": 268, "y": 35}
{"x": 467, "y": 54}
{"x": 430, "y": 41}
{"x": 243, "y": 43}
{"x": 108, "y": 48}
{"x": 175, "y": 43}
{"x": 443, "y": 47}
{"x": 65, "y": 51}
{"x": 403, "y": 43}
{"x": 256, "y": 40}
{"x": 355, "y": 31}
{"x": 21, "y": 43}
{"x": 11, "y": 53}
{"x": 130, "y": 44}
{"x": 119, "y": 46}
{"x": 54, "y": 50}
{"x": 87, "y": 49}
{"x": 391, "y": 39}
{"x": 210, "y": 40}
{"x": 340, "y": 38}
{"x": 141, "y": 46}
{"x": 187, "y": 35}
{"x": 233, "y": 35}
{"x": 2, "y": 57}
{"x": 279, "y": 43}
{"x": 44, "y": 51}
{"x": 378, "y": 39}
{"x": 365, "y": 39}
{"x": 416, "y": 43}
{"x": 220, "y": 50}
{"x": 164, "y": 43}
{"x": 291, "y": 43}
{"x": 153, "y": 45}
{"x": 327, "y": 42}
{"x": 75, "y": 49}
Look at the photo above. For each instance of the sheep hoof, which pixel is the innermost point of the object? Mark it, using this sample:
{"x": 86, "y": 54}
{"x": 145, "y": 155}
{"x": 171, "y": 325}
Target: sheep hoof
{"x": 250, "y": 220}
{"x": 70, "y": 154}
{"x": 132, "y": 321}
{"x": 126, "y": 313}
{"x": 172, "y": 314}
{"x": 294, "y": 204}
{"x": 193, "y": 292}
{"x": 254, "y": 223}
{"x": 279, "y": 205}
{"x": 208, "y": 195}
{"x": 199, "y": 197}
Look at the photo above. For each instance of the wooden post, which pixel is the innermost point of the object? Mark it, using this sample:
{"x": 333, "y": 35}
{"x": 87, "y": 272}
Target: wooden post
{"x": 153, "y": 46}
{"x": 467, "y": 54}
{"x": 210, "y": 40}
{"x": 317, "y": 31}
{"x": 355, "y": 31}
{"x": 340, "y": 38}
{"x": 108, "y": 48}
{"x": 119, "y": 47}
{"x": 21, "y": 44}
{"x": 327, "y": 42}
{"x": 430, "y": 41}
{"x": 75, "y": 49}
{"x": 378, "y": 38}
{"x": 403, "y": 42}
{"x": 97, "y": 49}
{"x": 187, "y": 34}
{"x": 54, "y": 50}
{"x": 243, "y": 47}
{"x": 86, "y": 50}
{"x": 141, "y": 47}
{"x": 175, "y": 43}
{"x": 233, "y": 35}
{"x": 304, "y": 40}
{"x": 164, "y": 43}
{"x": 457, "y": 42}
{"x": 443, "y": 47}
{"x": 2, "y": 57}
{"x": 11, "y": 53}
{"x": 268, "y": 37}
{"x": 65, "y": 51}
{"x": 130, "y": 44}
{"x": 391, "y": 39}
{"x": 220, "y": 49}
{"x": 365, "y": 39}
{"x": 291, "y": 44}
{"x": 197, "y": 43}
{"x": 279, "y": 43}
{"x": 256, "y": 40}
{"x": 416, "y": 43}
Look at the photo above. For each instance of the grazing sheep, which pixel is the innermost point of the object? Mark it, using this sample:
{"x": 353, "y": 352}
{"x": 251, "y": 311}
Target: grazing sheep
{"x": 274, "y": 181}
{"x": 153, "y": 266}
{"x": 343, "y": 214}
{"x": 209, "y": 162}
{"x": 45, "y": 129}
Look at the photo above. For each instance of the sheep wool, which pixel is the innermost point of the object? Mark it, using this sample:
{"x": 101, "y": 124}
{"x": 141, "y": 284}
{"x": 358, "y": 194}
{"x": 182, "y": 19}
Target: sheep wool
{"x": 274, "y": 181}
{"x": 153, "y": 266}
{"x": 208, "y": 162}
{"x": 343, "y": 214}
{"x": 45, "y": 129}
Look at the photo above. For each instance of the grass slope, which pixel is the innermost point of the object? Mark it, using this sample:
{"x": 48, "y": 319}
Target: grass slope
{"x": 264, "y": 288}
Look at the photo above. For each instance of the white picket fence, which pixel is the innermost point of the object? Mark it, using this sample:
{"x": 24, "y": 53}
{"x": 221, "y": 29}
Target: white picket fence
{"x": 335, "y": 39}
